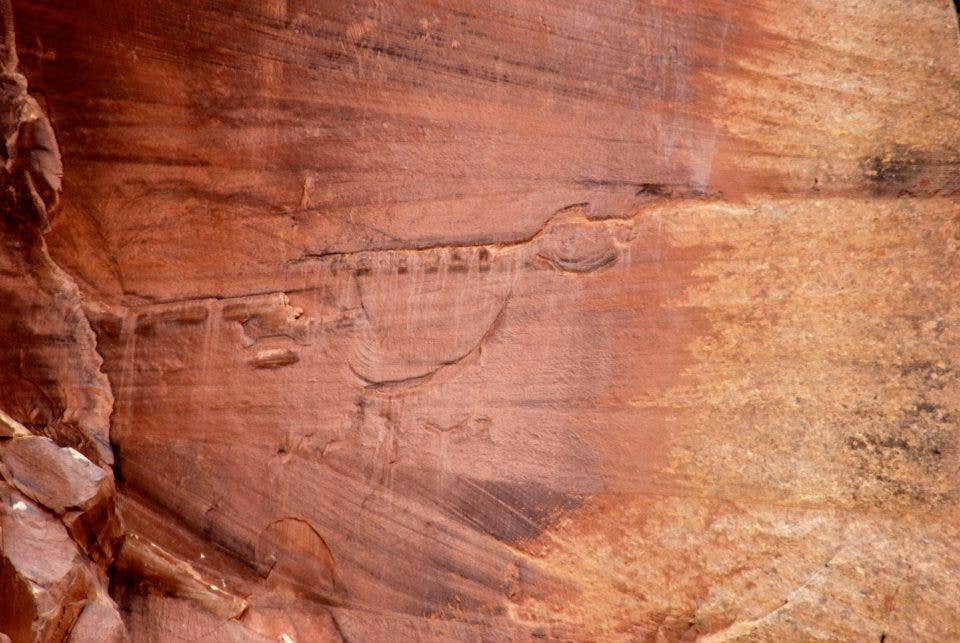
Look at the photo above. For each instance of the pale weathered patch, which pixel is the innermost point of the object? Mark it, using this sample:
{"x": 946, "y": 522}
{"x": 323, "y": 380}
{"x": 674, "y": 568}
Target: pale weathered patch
{"x": 811, "y": 488}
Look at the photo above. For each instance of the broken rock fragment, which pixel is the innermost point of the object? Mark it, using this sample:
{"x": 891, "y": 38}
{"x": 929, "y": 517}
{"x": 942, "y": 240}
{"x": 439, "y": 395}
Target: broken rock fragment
{"x": 68, "y": 484}
{"x": 44, "y": 579}
{"x": 56, "y": 477}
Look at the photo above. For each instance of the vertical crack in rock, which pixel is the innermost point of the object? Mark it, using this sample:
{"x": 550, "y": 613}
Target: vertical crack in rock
{"x": 51, "y": 376}
{"x": 32, "y": 168}
{"x": 59, "y": 524}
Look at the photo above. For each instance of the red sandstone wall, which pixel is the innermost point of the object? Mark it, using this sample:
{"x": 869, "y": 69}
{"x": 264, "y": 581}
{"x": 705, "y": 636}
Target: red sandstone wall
{"x": 614, "y": 320}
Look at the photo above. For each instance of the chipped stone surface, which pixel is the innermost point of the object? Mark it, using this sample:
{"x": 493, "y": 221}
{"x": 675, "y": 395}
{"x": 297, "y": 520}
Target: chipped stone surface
{"x": 469, "y": 321}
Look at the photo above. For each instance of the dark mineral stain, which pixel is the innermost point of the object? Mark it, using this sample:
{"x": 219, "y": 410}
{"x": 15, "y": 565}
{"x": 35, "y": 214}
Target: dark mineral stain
{"x": 511, "y": 512}
{"x": 900, "y": 170}
{"x": 653, "y": 189}
{"x": 892, "y": 171}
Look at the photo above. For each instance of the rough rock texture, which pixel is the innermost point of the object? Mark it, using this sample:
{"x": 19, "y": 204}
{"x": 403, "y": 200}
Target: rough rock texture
{"x": 59, "y": 520}
{"x": 459, "y": 320}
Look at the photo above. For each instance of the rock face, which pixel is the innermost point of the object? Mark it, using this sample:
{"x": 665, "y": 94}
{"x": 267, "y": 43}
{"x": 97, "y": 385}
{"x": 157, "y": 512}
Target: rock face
{"x": 59, "y": 519}
{"x": 387, "y": 320}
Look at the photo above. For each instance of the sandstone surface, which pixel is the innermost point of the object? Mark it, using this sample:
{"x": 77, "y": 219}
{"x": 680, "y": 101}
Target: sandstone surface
{"x": 443, "y": 320}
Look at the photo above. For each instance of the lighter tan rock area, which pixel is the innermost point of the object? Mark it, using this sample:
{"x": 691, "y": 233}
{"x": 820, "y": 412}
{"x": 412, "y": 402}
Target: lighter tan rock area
{"x": 460, "y": 320}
